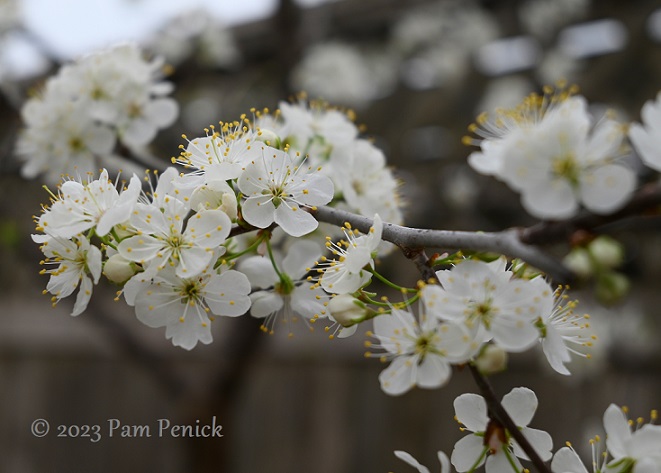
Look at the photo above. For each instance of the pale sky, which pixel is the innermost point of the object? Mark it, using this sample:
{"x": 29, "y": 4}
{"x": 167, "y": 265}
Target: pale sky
{"x": 73, "y": 27}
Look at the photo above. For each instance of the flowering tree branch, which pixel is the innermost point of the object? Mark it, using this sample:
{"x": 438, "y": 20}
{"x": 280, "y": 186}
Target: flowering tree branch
{"x": 506, "y": 242}
{"x": 498, "y": 412}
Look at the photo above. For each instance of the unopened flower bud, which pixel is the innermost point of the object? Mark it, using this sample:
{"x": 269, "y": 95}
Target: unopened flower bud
{"x": 578, "y": 260}
{"x": 269, "y": 137}
{"x": 493, "y": 359}
{"x": 346, "y": 309}
{"x": 215, "y": 195}
{"x": 612, "y": 287}
{"x": 607, "y": 251}
{"x": 118, "y": 270}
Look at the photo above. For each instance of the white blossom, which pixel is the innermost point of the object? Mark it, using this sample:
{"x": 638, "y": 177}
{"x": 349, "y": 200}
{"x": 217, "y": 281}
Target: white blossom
{"x": 347, "y": 273}
{"x": 73, "y": 124}
{"x": 183, "y": 305}
{"x": 162, "y": 240}
{"x": 421, "y": 350}
{"x": 78, "y": 263}
{"x": 97, "y": 204}
{"x": 279, "y": 191}
{"x": 490, "y": 442}
{"x": 549, "y": 150}
{"x": 636, "y": 451}
{"x": 285, "y": 292}
{"x": 489, "y": 301}
{"x": 563, "y": 331}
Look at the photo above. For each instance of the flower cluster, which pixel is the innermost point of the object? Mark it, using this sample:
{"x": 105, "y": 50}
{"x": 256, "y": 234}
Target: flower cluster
{"x": 74, "y": 123}
{"x": 480, "y": 310}
{"x": 549, "y": 149}
{"x": 219, "y": 239}
{"x": 627, "y": 450}
{"x": 631, "y": 447}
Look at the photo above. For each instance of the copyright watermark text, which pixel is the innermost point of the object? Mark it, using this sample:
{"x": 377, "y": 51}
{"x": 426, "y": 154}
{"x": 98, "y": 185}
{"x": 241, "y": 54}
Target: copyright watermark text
{"x": 115, "y": 428}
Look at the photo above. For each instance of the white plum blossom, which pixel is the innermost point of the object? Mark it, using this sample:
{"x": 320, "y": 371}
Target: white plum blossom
{"x": 549, "y": 150}
{"x": 566, "y": 460}
{"x": 97, "y": 204}
{"x": 367, "y": 185}
{"x": 303, "y": 124}
{"x": 342, "y": 74}
{"x": 646, "y": 137}
{"x": 486, "y": 299}
{"x": 162, "y": 240}
{"x": 347, "y": 273}
{"x": 490, "y": 443}
{"x": 421, "y": 350}
{"x": 631, "y": 451}
{"x": 73, "y": 124}
{"x": 285, "y": 291}
{"x": 78, "y": 263}
{"x": 408, "y": 458}
{"x": 280, "y": 192}
{"x": 185, "y": 306}
{"x": 221, "y": 155}
{"x": 563, "y": 331}
{"x": 215, "y": 195}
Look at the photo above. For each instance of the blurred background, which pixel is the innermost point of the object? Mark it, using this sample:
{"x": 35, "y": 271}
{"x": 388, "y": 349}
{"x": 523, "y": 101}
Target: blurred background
{"x": 416, "y": 73}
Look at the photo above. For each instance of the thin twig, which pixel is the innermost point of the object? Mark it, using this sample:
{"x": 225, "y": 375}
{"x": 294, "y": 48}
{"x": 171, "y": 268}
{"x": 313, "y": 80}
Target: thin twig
{"x": 497, "y": 411}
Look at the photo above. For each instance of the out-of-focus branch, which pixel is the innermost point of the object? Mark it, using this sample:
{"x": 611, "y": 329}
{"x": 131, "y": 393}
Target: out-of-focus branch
{"x": 506, "y": 242}
{"x": 647, "y": 201}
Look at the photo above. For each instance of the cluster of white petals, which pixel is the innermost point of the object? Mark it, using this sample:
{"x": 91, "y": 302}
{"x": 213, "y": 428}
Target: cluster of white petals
{"x": 490, "y": 443}
{"x": 422, "y": 350}
{"x": 169, "y": 247}
{"x": 628, "y": 449}
{"x": 78, "y": 208}
{"x": 74, "y": 123}
{"x": 551, "y": 151}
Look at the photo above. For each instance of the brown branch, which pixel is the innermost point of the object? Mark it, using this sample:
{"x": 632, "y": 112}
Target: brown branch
{"x": 646, "y": 201}
{"x": 498, "y": 412}
{"x": 506, "y": 242}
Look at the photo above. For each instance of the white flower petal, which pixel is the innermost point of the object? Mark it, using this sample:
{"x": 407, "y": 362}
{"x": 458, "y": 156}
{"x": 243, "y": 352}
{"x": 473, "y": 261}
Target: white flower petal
{"x": 556, "y": 200}
{"x": 83, "y": 297}
{"x": 264, "y": 304}
{"x": 399, "y": 377}
{"x": 566, "y": 460}
{"x": 406, "y": 457}
{"x": 539, "y": 440}
{"x": 433, "y": 372}
{"x": 607, "y": 188}
{"x": 466, "y": 452}
{"x": 520, "y": 404}
{"x": 258, "y": 211}
{"x": 301, "y": 255}
{"x": 618, "y": 432}
{"x": 471, "y": 410}
{"x": 295, "y": 221}
{"x": 227, "y": 293}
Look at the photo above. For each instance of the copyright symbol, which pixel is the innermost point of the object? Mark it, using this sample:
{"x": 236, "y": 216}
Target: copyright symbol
{"x": 40, "y": 428}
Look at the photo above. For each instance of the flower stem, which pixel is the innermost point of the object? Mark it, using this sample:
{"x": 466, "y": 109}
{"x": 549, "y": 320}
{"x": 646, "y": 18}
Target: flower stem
{"x": 498, "y": 412}
{"x": 389, "y": 283}
{"x": 275, "y": 266}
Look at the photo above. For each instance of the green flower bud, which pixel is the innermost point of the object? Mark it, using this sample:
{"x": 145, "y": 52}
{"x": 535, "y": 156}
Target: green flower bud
{"x": 346, "y": 309}
{"x": 607, "y": 251}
